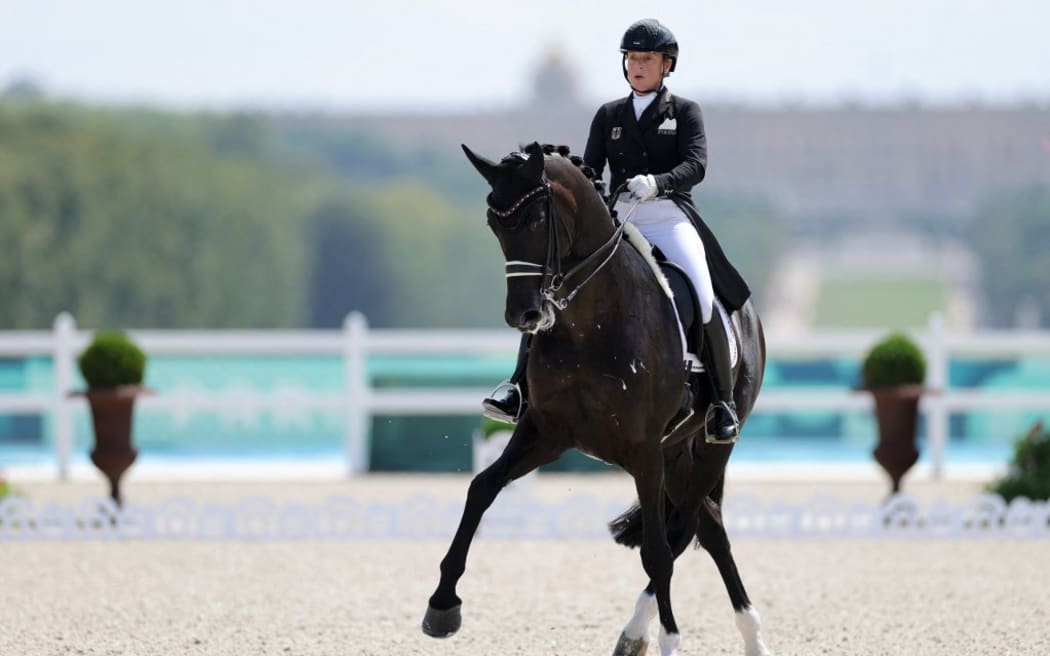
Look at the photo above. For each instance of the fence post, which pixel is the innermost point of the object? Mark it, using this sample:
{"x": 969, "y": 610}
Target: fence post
{"x": 65, "y": 331}
{"x": 358, "y": 408}
{"x": 936, "y": 408}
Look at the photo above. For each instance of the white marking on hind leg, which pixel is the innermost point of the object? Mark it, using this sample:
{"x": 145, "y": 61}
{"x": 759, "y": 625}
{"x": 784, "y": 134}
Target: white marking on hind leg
{"x": 749, "y": 624}
{"x": 669, "y": 643}
{"x": 644, "y": 613}
{"x": 634, "y": 640}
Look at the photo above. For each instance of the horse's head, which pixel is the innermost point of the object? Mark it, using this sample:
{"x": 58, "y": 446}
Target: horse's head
{"x": 534, "y": 217}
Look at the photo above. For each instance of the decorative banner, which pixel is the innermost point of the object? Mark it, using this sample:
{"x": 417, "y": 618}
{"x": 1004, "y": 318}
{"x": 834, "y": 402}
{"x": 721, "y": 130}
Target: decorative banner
{"x": 517, "y": 517}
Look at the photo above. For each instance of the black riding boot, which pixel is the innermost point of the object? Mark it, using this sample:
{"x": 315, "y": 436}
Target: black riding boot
{"x": 508, "y": 406}
{"x": 724, "y": 427}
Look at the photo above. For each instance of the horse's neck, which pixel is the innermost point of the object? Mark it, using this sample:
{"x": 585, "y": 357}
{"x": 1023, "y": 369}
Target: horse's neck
{"x": 596, "y": 232}
{"x": 606, "y": 305}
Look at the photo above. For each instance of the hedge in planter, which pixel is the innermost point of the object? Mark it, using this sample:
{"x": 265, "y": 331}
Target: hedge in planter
{"x": 113, "y": 367}
{"x": 112, "y": 360}
{"x": 893, "y": 371}
{"x": 893, "y": 361}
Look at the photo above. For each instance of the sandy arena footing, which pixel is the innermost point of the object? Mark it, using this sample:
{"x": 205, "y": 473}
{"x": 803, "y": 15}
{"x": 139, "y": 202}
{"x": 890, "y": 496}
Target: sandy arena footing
{"x": 856, "y": 596}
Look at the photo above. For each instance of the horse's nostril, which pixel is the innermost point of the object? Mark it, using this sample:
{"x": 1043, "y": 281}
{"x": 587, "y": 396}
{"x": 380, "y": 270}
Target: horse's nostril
{"x": 531, "y": 318}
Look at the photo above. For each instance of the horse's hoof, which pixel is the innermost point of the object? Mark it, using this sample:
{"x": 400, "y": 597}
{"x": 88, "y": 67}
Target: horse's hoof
{"x": 628, "y": 647}
{"x": 442, "y": 623}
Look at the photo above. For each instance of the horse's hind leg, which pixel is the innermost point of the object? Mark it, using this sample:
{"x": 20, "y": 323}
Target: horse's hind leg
{"x": 657, "y": 559}
{"x": 526, "y": 451}
{"x": 682, "y": 525}
{"x": 712, "y": 536}
{"x": 634, "y": 640}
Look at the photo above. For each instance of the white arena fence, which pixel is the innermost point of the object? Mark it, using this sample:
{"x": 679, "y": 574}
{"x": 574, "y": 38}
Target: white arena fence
{"x": 510, "y": 517}
{"x": 358, "y": 402}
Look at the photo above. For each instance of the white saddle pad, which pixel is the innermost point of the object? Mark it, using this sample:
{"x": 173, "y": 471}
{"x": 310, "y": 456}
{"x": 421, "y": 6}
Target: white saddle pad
{"x": 645, "y": 249}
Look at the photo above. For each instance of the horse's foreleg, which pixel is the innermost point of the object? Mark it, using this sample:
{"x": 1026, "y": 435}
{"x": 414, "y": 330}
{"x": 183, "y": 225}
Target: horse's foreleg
{"x": 713, "y": 538}
{"x": 525, "y": 452}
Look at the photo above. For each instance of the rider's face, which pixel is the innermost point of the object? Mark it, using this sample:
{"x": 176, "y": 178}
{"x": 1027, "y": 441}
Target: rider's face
{"x": 645, "y": 70}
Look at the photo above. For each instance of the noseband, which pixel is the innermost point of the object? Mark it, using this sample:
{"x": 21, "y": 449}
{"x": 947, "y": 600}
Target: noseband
{"x": 550, "y": 271}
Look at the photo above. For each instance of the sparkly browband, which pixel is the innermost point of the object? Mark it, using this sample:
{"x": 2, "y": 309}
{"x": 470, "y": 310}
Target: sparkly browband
{"x": 517, "y": 205}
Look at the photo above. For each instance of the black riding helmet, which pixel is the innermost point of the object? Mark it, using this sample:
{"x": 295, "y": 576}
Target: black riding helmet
{"x": 648, "y": 35}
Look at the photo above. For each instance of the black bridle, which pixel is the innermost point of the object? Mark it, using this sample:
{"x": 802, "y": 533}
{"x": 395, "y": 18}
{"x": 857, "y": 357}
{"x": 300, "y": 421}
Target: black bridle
{"x": 552, "y": 278}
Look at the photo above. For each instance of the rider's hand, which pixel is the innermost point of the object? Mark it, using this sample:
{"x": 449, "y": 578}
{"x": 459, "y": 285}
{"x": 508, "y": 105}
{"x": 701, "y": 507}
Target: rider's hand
{"x": 642, "y": 187}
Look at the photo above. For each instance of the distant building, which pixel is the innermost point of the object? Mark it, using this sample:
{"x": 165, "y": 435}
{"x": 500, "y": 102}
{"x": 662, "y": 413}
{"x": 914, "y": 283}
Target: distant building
{"x": 887, "y": 163}
{"x": 874, "y": 174}
{"x": 554, "y": 86}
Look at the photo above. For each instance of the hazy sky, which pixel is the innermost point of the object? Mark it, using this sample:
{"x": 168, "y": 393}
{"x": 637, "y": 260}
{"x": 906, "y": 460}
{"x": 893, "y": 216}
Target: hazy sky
{"x": 466, "y": 54}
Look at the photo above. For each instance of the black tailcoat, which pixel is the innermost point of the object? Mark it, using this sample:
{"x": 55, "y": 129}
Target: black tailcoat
{"x": 668, "y": 141}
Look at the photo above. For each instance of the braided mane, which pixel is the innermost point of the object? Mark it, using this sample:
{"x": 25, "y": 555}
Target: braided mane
{"x": 564, "y": 151}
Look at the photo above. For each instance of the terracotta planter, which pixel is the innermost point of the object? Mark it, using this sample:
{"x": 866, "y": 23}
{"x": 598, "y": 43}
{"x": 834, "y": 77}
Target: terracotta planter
{"x": 112, "y": 413}
{"x": 897, "y": 416}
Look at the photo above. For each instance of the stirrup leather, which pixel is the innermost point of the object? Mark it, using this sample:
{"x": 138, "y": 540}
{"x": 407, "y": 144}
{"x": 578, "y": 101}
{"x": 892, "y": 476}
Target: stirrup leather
{"x": 492, "y": 411}
{"x": 711, "y": 409}
{"x": 687, "y": 411}
{"x": 677, "y": 424}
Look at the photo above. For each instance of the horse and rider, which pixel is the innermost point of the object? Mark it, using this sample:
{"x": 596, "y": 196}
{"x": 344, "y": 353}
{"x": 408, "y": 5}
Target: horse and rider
{"x": 604, "y": 366}
{"x": 655, "y": 146}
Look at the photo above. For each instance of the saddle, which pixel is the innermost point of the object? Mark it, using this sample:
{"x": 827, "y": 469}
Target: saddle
{"x": 687, "y": 305}
{"x": 676, "y": 284}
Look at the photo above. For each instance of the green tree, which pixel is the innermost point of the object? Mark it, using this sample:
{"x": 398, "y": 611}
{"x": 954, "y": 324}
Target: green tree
{"x": 130, "y": 231}
{"x": 349, "y": 271}
{"x": 444, "y": 265}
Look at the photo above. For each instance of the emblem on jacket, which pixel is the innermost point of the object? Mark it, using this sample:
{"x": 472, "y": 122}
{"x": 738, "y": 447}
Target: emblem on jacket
{"x": 615, "y": 133}
{"x": 669, "y": 126}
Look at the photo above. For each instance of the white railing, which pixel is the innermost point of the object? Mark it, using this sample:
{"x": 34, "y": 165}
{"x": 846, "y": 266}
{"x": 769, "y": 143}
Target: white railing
{"x": 356, "y": 342}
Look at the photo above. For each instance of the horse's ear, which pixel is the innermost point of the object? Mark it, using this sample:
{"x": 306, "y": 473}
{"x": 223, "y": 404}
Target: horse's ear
{"x": 486, "y": 168}
{"x": 534, "y": 165}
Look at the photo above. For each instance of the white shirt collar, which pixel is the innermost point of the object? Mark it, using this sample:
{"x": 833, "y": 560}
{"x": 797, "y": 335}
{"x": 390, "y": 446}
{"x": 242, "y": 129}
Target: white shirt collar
{"x": 641, "y": 102}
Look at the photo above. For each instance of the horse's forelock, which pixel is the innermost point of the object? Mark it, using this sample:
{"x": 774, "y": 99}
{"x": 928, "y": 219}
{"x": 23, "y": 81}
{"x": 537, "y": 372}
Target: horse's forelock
{"x": 515, "y": 159}
{"x": 510, "y": 182}
{"x": 570, "y": 178}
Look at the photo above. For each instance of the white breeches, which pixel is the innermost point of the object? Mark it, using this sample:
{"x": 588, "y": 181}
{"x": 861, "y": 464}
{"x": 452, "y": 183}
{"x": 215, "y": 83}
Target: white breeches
{"x": 669, "y": 229}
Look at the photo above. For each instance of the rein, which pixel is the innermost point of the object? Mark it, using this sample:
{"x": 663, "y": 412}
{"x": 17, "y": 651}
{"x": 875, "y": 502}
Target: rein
{"x": 550, "y": 271}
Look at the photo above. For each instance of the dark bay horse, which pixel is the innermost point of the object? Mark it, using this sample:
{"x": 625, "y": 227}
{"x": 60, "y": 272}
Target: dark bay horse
{"x": 605, "y": 375}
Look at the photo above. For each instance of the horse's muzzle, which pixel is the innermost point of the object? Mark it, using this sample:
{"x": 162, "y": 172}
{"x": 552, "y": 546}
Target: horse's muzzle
{"x": 532, "y": 320}
{"x": 527, "y": 321}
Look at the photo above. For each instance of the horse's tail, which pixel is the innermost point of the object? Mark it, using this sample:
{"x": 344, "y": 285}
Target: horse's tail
{"x": 627, "y": 528}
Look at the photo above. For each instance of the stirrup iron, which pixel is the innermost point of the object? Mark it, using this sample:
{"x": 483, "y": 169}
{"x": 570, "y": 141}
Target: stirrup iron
{"x": 490, "y": 410}
{"x": 711, "y": 409}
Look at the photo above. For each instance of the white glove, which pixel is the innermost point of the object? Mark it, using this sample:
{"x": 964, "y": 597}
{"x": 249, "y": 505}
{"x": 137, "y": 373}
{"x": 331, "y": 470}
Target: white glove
{"x": 643, "y": 187}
